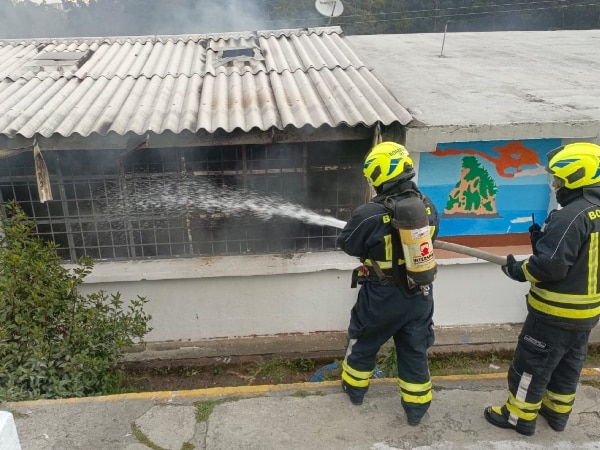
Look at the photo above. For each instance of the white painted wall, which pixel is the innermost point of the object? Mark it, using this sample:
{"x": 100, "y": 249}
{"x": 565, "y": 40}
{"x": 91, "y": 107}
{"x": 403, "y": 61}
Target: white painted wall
{"x": 470, "y": 293}
{"x": 236, "y": 296}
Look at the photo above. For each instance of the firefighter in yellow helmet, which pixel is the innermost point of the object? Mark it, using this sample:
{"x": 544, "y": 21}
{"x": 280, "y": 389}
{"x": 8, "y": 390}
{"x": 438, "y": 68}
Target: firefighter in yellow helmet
{"x": 389, "y": 304}
{"x": 564, "y": 299}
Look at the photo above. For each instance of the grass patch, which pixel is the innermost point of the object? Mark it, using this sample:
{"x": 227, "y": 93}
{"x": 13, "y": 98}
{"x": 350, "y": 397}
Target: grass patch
{"x": 18, "y": 415}
{"x": 122, "y": 384}
{"x": 593, "y": 356}
{"x": 205, "y": 409}
{"x": 277, "y": 371}
{"x": 143, "y": 439}
{"x": 469, "y": 363}
{"x": 592, "y": 383}
{"x": 279, "y": 368}
{"x": 303, "y": 394}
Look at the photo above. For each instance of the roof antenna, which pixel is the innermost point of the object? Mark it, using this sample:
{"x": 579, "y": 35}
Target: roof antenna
{"x": 329, "y": 8}
{"x": 444, "y": 40}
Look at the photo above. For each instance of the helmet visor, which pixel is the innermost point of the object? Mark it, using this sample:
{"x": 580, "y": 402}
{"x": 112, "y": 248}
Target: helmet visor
{"x": 555, "y": 182}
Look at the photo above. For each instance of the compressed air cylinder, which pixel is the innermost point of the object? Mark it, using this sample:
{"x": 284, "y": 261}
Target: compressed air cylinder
{"x": 410, "y": 217}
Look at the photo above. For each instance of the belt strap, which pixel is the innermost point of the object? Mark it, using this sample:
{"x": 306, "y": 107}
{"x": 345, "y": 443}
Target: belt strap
{"x": 377, "y": 269}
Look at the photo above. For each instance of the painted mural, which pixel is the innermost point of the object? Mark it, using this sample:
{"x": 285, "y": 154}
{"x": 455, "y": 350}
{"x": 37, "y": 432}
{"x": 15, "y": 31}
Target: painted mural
{"x": 488, "y": 187}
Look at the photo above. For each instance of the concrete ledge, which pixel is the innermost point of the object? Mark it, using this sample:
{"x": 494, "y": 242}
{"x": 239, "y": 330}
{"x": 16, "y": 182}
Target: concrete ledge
{"x": 326, "y": 345}
{"x": 9, "y": 440}
{"x": 224, "y": 351}
{"x": 255, "y": 265}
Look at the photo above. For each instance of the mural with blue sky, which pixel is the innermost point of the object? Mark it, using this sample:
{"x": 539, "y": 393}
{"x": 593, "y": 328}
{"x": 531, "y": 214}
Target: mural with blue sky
{"x": 488, "y": 187}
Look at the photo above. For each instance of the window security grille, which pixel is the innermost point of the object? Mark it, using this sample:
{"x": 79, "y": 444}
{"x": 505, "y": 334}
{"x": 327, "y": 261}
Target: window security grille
{"x": 155, "y": 203}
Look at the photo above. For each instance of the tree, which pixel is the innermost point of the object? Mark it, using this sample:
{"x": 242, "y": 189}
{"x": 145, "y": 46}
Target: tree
{"x": 80, "y": 18}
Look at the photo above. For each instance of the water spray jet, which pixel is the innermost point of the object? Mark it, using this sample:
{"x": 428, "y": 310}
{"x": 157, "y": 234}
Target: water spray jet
{"x": 176, "y": 197}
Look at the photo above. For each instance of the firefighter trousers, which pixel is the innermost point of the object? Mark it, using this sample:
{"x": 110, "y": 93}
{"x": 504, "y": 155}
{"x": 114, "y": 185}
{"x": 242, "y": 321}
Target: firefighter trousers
{"x": 381, "y": 313}
{"x": 544, "y": 374}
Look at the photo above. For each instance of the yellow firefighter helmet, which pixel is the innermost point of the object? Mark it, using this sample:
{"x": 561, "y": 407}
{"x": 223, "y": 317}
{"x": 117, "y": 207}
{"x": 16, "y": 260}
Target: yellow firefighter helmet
{"x": 577, "y": 164}
{"x": 388, "y": 161}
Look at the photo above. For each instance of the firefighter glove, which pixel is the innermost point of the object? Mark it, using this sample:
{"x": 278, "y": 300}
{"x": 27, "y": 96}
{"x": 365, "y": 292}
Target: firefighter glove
{"x": 513, "y": 269}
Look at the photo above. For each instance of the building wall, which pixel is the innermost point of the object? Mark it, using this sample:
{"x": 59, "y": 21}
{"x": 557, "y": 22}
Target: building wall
{"x": 204, "y": 298}
{"x": 297, "y": 291}
{"x": 198, "y": 298}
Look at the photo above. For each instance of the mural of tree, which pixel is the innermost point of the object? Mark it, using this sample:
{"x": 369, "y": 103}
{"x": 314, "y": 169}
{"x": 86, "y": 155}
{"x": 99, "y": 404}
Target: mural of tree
{"x": 475, "y": 194}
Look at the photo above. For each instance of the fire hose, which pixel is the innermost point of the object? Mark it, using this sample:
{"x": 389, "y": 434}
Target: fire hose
{"x": 464, "y": 250}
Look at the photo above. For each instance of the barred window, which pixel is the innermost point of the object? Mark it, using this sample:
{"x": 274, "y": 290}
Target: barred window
{"x": 177, "y": 202}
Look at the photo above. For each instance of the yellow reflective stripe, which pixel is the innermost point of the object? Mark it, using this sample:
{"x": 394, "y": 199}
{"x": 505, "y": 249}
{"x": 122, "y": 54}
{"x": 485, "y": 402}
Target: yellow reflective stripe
{"x": 497, "y": 410}
{"x": 388, "y": 246}
{"x": 561, "y": 409}
{"x": 559, "y": 297}
{"x": 593, "y": 264}
{"x": 357, "y": 373}
{"x": 419, "y": 399}
{"x": 562, "y": 311}
{"x": 520, "y": 413}
{"x": 521, "y": 404}
{"x": 528, "y": 275}
{"x": 414, "y": 387}
{"x": 563, "y": 398}
{"x": 353, "y": 381}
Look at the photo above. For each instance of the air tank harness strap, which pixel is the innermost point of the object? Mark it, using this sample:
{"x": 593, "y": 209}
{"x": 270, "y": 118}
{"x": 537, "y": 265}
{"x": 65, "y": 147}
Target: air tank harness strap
{"x": 390, "y": 204}
{"x": 396, "y": 253}
{"x": 363, "y": 273}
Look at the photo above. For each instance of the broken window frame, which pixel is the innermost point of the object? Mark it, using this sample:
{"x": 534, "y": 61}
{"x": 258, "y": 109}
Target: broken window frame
{"x": 312, "y": 175}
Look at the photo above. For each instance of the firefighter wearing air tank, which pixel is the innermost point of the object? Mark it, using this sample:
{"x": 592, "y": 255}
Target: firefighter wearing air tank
{"x": 563, "y": 301}
{"x": 392, "y": 235}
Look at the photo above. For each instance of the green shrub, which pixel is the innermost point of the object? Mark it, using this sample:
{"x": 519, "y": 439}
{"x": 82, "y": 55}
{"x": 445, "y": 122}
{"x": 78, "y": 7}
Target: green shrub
{"x": 54, "y": 341}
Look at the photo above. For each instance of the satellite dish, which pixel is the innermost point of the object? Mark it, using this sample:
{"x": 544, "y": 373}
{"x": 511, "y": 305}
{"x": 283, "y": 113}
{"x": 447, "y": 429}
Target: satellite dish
{"x": 330, "y": 8}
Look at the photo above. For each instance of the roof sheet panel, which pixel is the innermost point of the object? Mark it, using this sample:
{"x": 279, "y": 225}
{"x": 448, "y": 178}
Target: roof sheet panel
{"x": 485, "y": 78}
{"x": 174, "y": 83}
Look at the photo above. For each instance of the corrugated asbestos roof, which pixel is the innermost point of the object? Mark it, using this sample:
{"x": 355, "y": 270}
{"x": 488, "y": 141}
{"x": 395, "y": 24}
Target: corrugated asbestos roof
{"x": 205, "y": 82}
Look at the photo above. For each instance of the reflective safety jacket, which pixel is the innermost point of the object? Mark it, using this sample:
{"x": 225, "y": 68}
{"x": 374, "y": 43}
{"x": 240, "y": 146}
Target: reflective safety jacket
{"x": 368, "y": 233}
{"x": 564, "y": 268}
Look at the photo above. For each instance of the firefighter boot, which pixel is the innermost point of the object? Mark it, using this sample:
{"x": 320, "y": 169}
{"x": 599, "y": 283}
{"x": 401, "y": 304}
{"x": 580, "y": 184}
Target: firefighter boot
{"x": 553, "y": 419}
{"x": 498, "y": 416}
{"x": 355, "y": 397}
{"x": 412, "y": 421}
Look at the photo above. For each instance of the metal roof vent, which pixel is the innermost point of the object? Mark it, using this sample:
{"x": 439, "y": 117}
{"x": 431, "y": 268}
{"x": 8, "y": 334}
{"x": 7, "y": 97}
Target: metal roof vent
{"x": 236, "y": 55}
{"x": 58, "y": 60}
{"x": 236, "y": 52}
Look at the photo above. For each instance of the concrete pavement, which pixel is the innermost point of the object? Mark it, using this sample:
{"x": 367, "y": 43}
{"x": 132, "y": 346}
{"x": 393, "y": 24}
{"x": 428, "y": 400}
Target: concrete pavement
{"x": 301, "y": 416}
